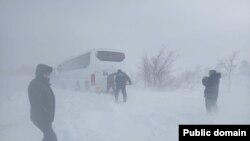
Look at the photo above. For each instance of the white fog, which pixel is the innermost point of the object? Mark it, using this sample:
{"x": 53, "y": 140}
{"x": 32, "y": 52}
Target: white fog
{"x": 197, "y": 36}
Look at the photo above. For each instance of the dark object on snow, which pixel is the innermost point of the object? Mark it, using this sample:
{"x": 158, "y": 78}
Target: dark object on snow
{"x": 121, "y": 81}
{"x": 211, "y": 92}
{"x": 111, "y": 82}
{"x": 42, "y": 102}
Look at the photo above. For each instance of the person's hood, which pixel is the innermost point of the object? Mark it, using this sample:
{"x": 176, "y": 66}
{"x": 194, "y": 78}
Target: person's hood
{"x": 41, "y": 69}
{"x": 212, "y": 72}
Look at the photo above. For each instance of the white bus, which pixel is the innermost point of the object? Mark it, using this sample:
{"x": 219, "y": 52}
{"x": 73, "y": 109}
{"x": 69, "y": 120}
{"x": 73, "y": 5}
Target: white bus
{"x": 89, "y": 70}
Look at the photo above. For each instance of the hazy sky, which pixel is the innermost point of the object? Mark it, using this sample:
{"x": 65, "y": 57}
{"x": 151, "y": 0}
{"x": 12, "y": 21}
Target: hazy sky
{"x": 49, "y": 31}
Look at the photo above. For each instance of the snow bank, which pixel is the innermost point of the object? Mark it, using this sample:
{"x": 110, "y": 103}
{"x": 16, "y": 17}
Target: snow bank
{"x": 147, "y": 116}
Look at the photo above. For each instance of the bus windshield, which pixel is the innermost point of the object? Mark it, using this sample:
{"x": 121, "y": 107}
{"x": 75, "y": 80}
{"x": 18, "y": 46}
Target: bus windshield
{"x": 110, "y": 56}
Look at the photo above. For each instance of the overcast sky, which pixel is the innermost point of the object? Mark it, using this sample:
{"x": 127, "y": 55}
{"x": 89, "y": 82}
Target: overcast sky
{"x": 201, "y": 32}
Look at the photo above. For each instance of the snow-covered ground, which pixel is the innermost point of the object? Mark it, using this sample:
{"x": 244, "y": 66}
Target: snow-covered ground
{"x": 147, "y": 116}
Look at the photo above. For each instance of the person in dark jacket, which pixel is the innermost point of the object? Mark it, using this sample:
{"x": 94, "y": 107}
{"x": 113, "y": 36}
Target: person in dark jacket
{"x": 121, "y": 79}
{"x": 211, "y": 92}
{"x": 42, "y": 102}
{"x": 110, "y": 82}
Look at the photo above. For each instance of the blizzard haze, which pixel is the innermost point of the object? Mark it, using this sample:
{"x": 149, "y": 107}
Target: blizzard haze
{"x": 202, "y": 34}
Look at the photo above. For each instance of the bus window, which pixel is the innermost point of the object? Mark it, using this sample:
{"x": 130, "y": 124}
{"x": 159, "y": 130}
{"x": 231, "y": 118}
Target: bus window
{"x": 110, "y": 56}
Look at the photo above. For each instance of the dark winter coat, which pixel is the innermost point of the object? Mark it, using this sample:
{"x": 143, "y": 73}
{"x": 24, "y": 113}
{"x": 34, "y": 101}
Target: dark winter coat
{"x": 41, "y": 97}
{"x": 121, "y": 79}
{"x": 111, "y": 79}
{"x": 211, "y": 84}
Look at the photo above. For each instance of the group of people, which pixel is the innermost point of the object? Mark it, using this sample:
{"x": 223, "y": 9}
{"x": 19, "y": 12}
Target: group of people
{"x": 42, "y": 99}
{"x": 118, "y": 81}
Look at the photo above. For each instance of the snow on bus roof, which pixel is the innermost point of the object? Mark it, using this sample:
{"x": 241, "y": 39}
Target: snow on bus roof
{"x": 106, "y": 49}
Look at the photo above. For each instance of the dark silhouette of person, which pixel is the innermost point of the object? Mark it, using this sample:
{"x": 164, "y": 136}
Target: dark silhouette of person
{"x": 121, "y": 79}
{"x": 110, "y": 82}
{"x": 42, "y": 102}
{"x": 211, "y": 92}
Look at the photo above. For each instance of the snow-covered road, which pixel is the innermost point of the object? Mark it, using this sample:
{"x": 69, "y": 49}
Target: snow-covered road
{"x": 147, "y": 116}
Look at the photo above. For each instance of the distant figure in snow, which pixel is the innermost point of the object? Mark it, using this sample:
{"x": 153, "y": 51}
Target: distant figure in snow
{"x": 211, "y": 92}
{"x": 111, "y": 82}
{"x": 42, "y": 102}
{"x": 121, "y": 79}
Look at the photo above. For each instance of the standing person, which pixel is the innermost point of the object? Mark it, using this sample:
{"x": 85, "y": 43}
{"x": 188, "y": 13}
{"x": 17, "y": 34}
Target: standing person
{"x": 211, "y": 92}
{"x": 42, "y": 102}
{"x": 110, "y": 82}
{"x": 121, "y": 80}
